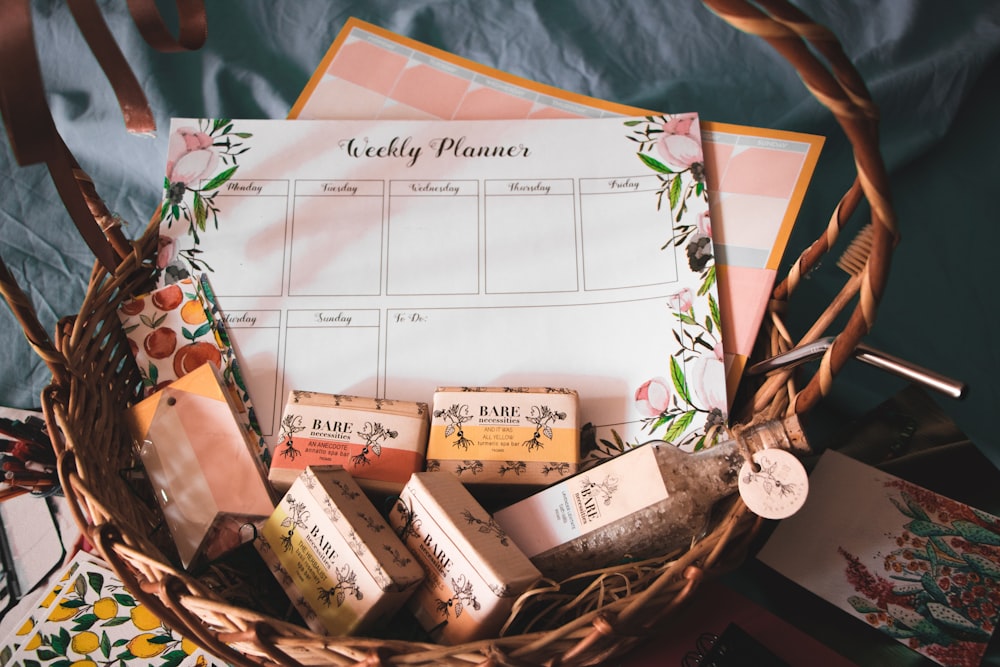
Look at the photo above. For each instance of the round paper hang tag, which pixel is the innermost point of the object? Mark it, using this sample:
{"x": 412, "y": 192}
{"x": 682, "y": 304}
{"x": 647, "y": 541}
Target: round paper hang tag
{"x": 776, "y": 490}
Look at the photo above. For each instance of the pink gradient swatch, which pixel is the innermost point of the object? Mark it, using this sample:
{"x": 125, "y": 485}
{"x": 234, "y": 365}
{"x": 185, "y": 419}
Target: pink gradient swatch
{"x": 487, "y": 103}
{"x": 431, "y": 90}
{"x": 368, "y": 65}
{"x": 762, "y": 171}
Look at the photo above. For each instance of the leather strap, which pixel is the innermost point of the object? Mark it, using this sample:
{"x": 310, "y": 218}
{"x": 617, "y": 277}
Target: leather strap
{"x": 193, "y": 25}
{"x": 31, "y": 130}
{"x": 132, "y": 100}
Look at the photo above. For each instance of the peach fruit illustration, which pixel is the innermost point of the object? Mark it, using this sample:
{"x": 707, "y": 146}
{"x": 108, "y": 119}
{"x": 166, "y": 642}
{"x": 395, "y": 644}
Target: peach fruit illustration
{"x": 133, "y": 306}
{"x": 193, "y": 313}
{"x": 160, "y": 343}
{"x": 190, "y": 357}
{"x": 168, "y": 298}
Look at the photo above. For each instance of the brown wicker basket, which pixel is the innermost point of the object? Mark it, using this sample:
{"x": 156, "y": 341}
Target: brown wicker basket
{"x": 94, "y": 380}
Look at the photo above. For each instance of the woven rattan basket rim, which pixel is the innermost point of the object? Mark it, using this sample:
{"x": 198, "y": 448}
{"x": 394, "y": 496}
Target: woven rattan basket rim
{"x": 87, "y": 398}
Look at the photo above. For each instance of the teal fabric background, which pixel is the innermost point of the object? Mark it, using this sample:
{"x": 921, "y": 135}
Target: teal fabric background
{"x": 933, "y": 68}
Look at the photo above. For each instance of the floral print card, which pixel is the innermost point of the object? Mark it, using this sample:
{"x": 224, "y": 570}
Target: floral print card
{"x": 387, "y": 258}
{"x": 176, "y": 329}
{"x": 920, "y": 567}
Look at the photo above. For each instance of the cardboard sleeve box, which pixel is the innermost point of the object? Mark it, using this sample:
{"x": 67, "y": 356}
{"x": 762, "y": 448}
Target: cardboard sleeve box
{"x": 505, "y": 436}
{"x": 335, "y": 556}
{"x": 201, "y": 460}
{"x": 474, "y": 571}
{"x": 381, "y": 442}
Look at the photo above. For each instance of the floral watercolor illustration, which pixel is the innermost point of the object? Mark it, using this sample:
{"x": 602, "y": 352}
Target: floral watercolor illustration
{"x": 200, "y": 160}
{"x": 671, "y": 405}
{"x": 918, "y": 566}
{"x": 939, "y": 592}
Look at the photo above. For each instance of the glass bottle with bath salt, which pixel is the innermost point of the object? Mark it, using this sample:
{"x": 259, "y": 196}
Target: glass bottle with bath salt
{"x": 655, "y": 499}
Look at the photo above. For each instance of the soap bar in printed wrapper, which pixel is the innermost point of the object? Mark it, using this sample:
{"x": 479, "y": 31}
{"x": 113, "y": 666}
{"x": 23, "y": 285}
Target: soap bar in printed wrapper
{"x": 201, "y": 461}
{"x": 341, "y": 565}
{"x": 526, "y": 436}
{"x": 174, "y": 330}
{"x": 474, "y": 571}
{"x": 380, "y": 442}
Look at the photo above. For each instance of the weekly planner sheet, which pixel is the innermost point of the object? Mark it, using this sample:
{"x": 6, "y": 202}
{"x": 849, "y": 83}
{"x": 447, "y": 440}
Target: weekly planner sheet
{"x": 386, "y": 258}
{"x": 756, "y": 177}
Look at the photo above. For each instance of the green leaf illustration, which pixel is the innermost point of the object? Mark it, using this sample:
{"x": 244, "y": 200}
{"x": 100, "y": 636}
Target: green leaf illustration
{"x": 943, "y": 547}
{"x": 863, "y": 605}
{"x": 105, "y": 645}
{"x": 200, "y": 212}
{"x": 124, "y": 599}
{"x": 976, "y": 533}
{"x": 713, "y": 308}
{"x": 931, "y": 586}
{"x": 926, "y": 630}
{"x": 675, "y": 192}
{"x": 986, "y": 518}
{"x": 983, "y": 565}
{"x": 707, "y": 283}
{"x": 903, "y": 509}
{"x": 680, "y": 382}
{"x": 951, "y": 619}
{"x": 117, "y": 620}
{"x": 220, "y": 179}
{"x": 654, "y": 164}
{"x": 60, "y": 641}
{"x": 84, "y": 622}
{"x": 679, "y": 426}
{"x": 918, "y": 511}
{"x": 928, "y": 528}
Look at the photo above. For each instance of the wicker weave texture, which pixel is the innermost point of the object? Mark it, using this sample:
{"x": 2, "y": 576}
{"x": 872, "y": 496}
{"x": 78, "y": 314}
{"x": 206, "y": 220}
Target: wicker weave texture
{"x": 95, "y": 380}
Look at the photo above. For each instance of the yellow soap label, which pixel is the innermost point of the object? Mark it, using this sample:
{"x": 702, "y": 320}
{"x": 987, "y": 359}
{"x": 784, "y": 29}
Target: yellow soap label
{"x": 319, "y": 564}
{"x": 501, "y": 443}
{"x": 505, "y": 424}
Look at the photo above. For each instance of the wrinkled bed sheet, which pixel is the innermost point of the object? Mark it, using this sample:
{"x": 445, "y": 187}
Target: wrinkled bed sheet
{"x": 933, "y": 69}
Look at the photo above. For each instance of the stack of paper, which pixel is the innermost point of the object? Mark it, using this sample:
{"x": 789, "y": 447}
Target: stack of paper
{"x": 420, "y": 238}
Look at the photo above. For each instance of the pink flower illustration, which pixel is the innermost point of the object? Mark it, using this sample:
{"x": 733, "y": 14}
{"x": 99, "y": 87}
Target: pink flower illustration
{"x": 685, "y": 299}
{"x": 704, "y": 224}
{"x": 709, "y": 395}
{"x": 680, "y": 145}
{"x": 190, "y": 156}
{"x": 652, "y": 398}
{"x": 166, "y": 251}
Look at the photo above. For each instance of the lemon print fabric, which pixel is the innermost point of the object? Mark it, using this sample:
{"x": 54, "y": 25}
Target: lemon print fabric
{"x": 95, "y": 620}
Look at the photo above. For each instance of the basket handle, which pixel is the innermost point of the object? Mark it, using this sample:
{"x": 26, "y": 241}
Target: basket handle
{"x": 31, "y": 130}
{"x": 35, "y": 139}
{"x": 830, "y": 76}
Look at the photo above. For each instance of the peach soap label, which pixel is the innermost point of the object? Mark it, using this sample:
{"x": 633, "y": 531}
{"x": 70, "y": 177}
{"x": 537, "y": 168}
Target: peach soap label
{"x": 474, "y": 571}
{"x": 505, "y": 435}
{"x": 379, "y": 442}
{"x": 341, "y": 565}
